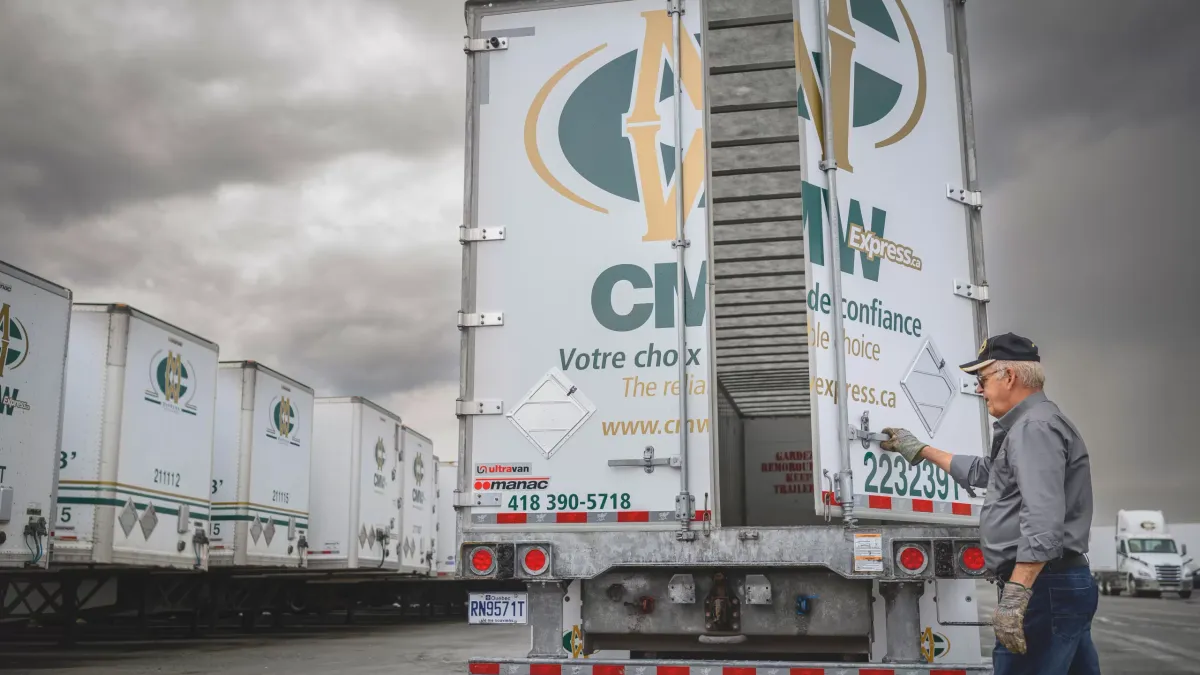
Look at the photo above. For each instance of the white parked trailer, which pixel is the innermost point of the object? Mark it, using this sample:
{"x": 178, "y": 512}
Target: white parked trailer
{"x": 418, "y": 503}
{"x": 354, "y": 489}
{"x": 35, "y": 318}
{"x": 261, "y": 467}
{"x": 135, "y": 479}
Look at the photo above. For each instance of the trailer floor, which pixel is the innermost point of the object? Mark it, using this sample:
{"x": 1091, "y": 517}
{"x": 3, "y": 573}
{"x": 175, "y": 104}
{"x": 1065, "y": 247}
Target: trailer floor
{"x": 1134, "y": 636}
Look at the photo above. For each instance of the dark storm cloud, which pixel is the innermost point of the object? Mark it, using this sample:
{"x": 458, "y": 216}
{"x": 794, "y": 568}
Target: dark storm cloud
{"x": 1087, "y": 143}
{"x": 1109, "y": 65}
{"x": 107, "y": 103}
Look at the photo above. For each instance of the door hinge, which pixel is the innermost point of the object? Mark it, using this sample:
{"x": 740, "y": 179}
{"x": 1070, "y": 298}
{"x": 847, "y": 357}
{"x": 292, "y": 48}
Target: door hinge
{"x": 972, "y": 291}
{"x": 972, "y": 198}
{"x": 480, "y": 319}
{"x": 487, "y": 44}
{"x": 648, "y": 461}
{"x": 478, "y": 407}
{"x": 469, "y": 234}
{"x": 968, "y": 385}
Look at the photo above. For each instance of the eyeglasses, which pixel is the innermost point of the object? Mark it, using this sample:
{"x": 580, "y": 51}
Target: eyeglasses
{"x": 982, "y": 379}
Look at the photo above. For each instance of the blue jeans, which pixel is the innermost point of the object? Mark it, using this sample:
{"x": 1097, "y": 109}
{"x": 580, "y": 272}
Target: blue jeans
{"x": 1058, "y": 628}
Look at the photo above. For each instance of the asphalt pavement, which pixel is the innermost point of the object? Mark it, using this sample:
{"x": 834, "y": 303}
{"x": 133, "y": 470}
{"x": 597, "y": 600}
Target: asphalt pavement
{"x": 1134, "y": 636}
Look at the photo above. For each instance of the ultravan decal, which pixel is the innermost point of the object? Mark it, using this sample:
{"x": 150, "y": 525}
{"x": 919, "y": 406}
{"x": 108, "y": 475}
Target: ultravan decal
{"x": 14, "y": 341}
{"x": 283, "y": 421}
{"x": 171, "y": 384}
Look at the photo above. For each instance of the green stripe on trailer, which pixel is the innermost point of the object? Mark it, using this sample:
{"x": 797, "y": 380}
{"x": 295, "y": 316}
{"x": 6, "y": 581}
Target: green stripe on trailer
{"x": 104, "y": 501}
{"x": 246, "y": 518}
{"x": 135, "y": 493}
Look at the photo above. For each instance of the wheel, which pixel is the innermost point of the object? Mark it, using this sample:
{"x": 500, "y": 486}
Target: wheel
{"x": 1104, "y": 589}
{"x": 1130, "y": 588}
{"x": 1184, "y": 595}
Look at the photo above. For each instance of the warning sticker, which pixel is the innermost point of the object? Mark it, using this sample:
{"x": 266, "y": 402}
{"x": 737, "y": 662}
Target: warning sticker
{"x": 868, "y": 552}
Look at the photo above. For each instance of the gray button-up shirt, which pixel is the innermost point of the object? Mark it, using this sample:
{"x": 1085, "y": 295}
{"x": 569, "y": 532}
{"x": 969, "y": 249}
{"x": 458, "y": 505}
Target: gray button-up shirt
{"x": 1039, "y": 486}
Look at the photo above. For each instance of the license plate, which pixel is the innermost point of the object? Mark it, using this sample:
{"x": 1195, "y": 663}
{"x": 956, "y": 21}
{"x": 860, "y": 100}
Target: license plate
{"x": 492, "y": 608}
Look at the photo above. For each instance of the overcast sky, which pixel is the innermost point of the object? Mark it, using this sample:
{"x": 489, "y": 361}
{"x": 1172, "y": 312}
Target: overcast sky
{"x": 286, "y": 178}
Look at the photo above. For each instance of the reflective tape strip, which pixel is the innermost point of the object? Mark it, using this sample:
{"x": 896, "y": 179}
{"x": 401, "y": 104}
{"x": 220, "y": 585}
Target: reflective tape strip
{"x": 914, "y": 505}
{"x": 649, "y": 667}
{"x": 579, "y": 517}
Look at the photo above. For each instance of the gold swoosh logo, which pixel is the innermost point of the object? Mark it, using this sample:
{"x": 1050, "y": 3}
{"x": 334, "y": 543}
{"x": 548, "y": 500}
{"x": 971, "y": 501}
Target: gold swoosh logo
{"x": 919, "y": 105}
{"x": 531, "y": 124}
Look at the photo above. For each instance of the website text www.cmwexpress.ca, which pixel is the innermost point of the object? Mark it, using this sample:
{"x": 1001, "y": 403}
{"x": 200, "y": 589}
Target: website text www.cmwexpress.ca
{"x": 652, "y": 427}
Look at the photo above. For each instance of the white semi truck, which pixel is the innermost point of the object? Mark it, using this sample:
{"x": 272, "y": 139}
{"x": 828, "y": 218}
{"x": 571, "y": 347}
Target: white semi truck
{"x": 710, "y": 249}
{"x": 1148, "y": 561}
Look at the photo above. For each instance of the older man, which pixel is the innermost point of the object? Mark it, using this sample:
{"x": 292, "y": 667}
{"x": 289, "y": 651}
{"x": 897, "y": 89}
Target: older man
{"x": 1036, "y": 514}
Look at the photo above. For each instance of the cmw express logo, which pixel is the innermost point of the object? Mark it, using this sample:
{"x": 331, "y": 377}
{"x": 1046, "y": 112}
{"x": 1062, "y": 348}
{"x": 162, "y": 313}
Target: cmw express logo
{"x": 14, "y": 347}
{"x": 864, "y": 98}
{"x": 14, "y": 341}
{"x": 615, "y": 128}
{"x": 615, "y": 142}
{"x": 283, "y": 420}
{"x": 171, "y": 384}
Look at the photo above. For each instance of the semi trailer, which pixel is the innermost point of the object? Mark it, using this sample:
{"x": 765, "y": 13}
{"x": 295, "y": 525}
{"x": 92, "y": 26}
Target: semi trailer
{"x": 35, "y": 318}
{"x": 709, "y": 249}
{"x": 136, "y": 464}
{"x": 261, "y": 468}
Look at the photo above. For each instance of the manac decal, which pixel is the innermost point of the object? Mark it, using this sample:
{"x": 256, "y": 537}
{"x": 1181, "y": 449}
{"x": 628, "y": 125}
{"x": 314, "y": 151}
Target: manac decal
{"x": 14, "y": 341}
{"x": 609, "y": 128}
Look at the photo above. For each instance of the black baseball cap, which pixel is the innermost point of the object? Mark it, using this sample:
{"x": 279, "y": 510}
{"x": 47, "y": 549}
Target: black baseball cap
{"x": 1006, "y": 347}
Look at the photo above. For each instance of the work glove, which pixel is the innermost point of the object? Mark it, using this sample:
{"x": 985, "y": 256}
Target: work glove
{"x": 1009, "y": 621}
{"x": 903, "y": 442}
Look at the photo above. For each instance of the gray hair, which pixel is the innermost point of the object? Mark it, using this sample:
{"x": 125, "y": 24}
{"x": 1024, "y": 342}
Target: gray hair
{"x": 1029, "y": 373}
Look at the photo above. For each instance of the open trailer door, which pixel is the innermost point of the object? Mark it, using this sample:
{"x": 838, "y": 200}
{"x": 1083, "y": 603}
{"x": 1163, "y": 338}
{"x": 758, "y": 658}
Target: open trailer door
{"x": 908, "y": 245}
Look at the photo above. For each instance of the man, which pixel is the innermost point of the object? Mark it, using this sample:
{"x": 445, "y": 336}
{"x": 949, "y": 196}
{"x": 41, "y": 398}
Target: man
{"x": 1036, "y": 514}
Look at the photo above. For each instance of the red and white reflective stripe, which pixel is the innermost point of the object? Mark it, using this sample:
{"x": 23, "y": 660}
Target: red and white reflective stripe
{"x": 914, "y": 505}
{"x": 580, "y": 517}
{"x": 579, "y": 667}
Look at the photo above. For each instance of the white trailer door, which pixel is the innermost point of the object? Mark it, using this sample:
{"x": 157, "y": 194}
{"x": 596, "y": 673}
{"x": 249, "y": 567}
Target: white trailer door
{"x": 418, "y": 497}
{"x": 572, "y": 348}
{"x": 905, "y": 250}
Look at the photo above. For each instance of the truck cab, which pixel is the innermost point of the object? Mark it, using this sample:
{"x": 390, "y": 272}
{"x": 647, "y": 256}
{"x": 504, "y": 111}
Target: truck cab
{"x": 1149, "y": 559}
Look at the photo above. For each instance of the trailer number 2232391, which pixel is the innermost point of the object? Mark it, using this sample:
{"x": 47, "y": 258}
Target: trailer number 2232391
{"x": 492, "y": 608}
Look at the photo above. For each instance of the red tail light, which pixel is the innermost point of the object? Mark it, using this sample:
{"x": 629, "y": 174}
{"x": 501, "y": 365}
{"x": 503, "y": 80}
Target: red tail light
{"x": 483, "y": 561}
{"x": 972, "y": 560}
{"x": 912, "y": 559}
{"x": 536, "y": 560}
